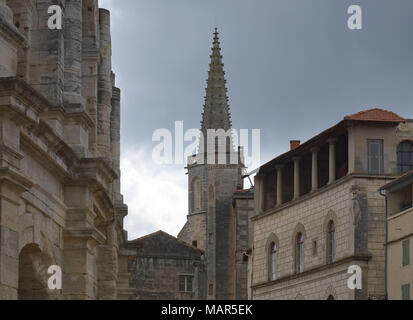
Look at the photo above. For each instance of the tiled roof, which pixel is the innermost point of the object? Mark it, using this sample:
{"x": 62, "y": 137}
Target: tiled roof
{"x": 375, "y": 115}
{"x": 160, "y": 233}
{"x": 406, "y": 176}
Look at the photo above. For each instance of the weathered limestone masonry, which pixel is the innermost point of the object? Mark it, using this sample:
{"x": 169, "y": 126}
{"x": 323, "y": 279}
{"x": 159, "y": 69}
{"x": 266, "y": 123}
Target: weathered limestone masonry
{"x": 243, "y": 211}
{"x": 319, "y": 211}
{"x": 166, "y": 268}
{"x": 211, "y": 222}
{"x": 60, "y": 200}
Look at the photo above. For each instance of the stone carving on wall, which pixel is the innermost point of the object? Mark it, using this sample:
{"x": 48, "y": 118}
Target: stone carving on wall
{"x": 355, "y": 208}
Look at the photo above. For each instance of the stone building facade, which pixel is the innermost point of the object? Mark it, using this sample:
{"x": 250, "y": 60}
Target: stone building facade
{"x": 318, "y": 211}
{"x": 60, "y": 200}
{"x": 166, "y": 268}
{"x": 399, "y": 239}
{"x": 243, "y": 210}
{"x": 218, "y": 217}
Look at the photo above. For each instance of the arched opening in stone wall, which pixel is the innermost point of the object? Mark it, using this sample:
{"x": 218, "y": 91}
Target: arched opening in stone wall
{"x": 33, "y": 266}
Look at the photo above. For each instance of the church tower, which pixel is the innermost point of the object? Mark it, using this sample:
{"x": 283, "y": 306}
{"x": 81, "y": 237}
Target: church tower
{"x": 214, "y": 174}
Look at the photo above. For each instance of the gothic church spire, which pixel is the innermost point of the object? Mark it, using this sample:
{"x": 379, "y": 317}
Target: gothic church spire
{"x": 216, "y": 113}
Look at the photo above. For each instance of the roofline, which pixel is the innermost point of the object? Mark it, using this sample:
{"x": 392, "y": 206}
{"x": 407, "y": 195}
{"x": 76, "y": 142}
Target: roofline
{"x": 165, "y": 233}
{"x": 398, "y": 183}
{"x": 306, "y": 146}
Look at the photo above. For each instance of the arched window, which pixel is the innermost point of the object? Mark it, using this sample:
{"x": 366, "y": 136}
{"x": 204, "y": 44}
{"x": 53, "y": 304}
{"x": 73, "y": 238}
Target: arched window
{"x": 299, "y": 251}
{"x": 331, "y": 242}
{"x": 331, "y": 297}
{"x": 405, "y": 157}
{"x": 273, "y": 261}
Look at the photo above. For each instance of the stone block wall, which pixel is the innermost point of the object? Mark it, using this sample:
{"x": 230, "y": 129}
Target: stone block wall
{"x": 311, "y": 216}
{"x": 195, "y": 230}
{"x": 243, "y": 210}
{"x": 159, "y": 263}
{"x": 60, "y": 200}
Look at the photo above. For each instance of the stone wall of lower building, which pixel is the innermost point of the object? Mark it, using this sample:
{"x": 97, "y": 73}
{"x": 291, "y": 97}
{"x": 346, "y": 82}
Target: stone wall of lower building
{"x": 159, "y": 263}
{"x": 158, "y": 278}
{"x": 194, "y": 231}
{"x": 360, "y": 237}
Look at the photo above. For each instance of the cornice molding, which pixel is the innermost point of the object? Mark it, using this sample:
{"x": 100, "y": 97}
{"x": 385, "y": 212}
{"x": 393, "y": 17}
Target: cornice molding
{"x": 13, "y": 34}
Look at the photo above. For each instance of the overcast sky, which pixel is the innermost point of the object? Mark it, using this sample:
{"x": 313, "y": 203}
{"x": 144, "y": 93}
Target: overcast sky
{"x": 293, "y": 69}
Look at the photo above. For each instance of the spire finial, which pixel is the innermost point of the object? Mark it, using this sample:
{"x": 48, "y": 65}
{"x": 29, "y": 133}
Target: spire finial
{"x": 216, "y": 113}
{"x": 216, "y": 38}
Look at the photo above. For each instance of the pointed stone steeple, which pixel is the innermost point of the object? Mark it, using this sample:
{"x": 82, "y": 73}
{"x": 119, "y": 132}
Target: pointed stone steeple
{"x": 216, "y": 113}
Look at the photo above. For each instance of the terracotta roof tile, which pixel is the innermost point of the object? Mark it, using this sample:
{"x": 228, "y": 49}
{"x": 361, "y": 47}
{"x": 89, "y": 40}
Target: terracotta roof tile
{"x": 375, "y": 114}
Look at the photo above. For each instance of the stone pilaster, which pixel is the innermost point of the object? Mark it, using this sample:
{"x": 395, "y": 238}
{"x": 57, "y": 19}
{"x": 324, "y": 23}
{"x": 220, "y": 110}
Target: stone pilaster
{"x": 107, "y": 266}
{"x": 314, "y": 169}
{"x": 115, "y": 140}
{"x": 279, "y": 185}
{"x": 332, "y": 160}
{"x": 12, "y": 185}
{"x": 72, "y": 32}
{"x": 124, "y": 289}
{"x": 24, "y": 15}
{"x": 47, "y": 59}
{"x": 90, "y": 65}
{"x": 262, "y": 194}
{"x": 104, "y": 86}
{"x": 296, "y": 177}
{"x": 80, "y": 241}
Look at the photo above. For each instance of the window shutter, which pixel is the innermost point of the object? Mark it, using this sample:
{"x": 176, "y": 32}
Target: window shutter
{"x": 406, "y": 252}
{"x": 406, "y": 292}
{"x": 375, "y": 156}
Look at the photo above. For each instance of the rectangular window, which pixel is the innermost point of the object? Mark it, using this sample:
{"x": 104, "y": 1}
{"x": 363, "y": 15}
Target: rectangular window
{"x": 406, "y": 252}
{"x": 182, "y": 283}
{"x": 406, "y": 292}
{"x": 375, "y": 156}
{"x": 186, "y": 283}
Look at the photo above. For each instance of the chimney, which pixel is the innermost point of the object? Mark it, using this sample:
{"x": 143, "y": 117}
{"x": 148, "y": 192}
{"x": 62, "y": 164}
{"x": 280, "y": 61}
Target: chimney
{"x": 294, "y": 144}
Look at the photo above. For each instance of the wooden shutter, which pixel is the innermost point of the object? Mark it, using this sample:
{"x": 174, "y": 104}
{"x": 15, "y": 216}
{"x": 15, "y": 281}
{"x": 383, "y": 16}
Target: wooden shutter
{"x": 375, "y": 156}
{"x": 406, "y": 252}
{"x": 406, "y": 292}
